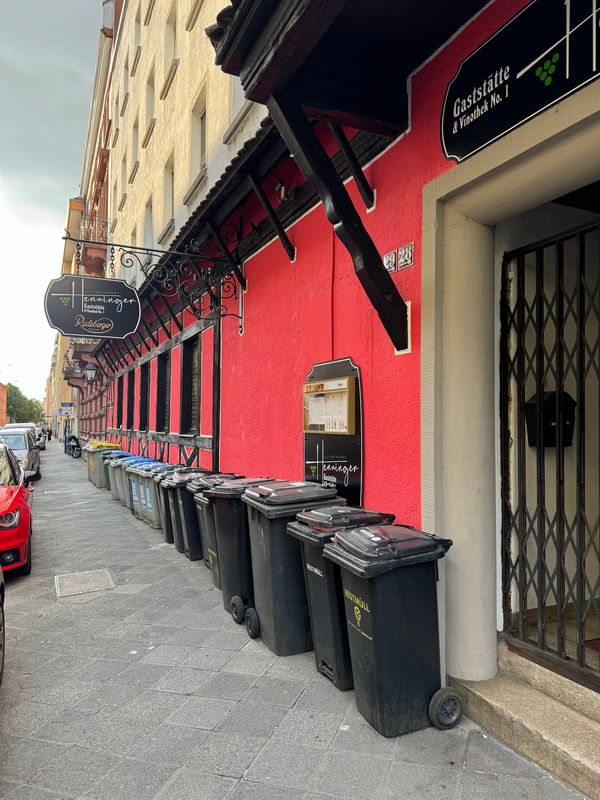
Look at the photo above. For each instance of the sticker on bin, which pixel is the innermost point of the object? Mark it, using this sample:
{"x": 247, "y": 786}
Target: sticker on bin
{"x": 328, "y": 518}
{"x": 380, "y": 542}
{"x": 284, "y": 492}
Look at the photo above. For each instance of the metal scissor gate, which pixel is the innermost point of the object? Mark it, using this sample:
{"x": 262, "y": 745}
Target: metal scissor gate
{"x": 550, "y": 452}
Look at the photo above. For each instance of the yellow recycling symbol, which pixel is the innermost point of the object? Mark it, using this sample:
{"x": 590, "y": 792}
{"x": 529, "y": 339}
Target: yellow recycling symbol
{"x": 358, "y": 615}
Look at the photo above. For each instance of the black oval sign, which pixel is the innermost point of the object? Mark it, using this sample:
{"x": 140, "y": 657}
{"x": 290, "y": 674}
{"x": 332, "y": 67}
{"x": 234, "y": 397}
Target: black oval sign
{"x": 81, "y": 306}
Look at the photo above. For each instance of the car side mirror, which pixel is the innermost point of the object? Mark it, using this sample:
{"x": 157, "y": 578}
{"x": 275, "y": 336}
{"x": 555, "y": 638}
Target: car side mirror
{"x": 27, "y": 481}
{"x": 36, "y": 447}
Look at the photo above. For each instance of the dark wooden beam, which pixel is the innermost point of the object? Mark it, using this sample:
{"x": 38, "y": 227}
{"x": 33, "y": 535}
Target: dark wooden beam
{"x": 159, "y": 319}
{"x": 273, "y": 218}
{"x": 362, "y": 184}
{"x": 150, "y": 334}
{"x": 318, "y": 170}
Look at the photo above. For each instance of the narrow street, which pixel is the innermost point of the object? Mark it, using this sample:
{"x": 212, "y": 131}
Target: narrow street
{"x": 149, "y": 690}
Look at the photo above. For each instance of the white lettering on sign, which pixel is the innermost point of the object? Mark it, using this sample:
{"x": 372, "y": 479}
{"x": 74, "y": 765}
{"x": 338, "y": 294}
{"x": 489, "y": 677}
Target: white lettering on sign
{"x": 488, "y": 87}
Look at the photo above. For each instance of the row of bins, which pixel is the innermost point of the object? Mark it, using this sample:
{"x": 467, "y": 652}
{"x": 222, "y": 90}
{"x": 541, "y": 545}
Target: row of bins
{"x": 303, "y": 570}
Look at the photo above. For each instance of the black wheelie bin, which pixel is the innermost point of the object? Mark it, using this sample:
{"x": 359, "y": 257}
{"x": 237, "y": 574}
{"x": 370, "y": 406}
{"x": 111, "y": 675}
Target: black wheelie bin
{"x": 232, "y": 558}
{"x": 389, "y": 575}
{"x": 194, "y": 537}
{"x": 160, "y": 479}
{"x": 280, "y": 611}
{"x": 187, "y": 514}
{"x": 314, "y": 529}
{"x": 206, "y": 521}
{"x": 172, "y": 484}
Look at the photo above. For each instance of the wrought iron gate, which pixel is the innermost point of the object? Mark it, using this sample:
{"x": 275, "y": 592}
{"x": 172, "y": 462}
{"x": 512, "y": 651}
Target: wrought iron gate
{"x": 550, "y": 451}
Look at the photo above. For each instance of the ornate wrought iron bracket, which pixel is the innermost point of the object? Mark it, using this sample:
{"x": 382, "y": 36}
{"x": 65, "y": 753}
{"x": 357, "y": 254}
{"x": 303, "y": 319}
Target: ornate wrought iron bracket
{"x": 203, "y": 277}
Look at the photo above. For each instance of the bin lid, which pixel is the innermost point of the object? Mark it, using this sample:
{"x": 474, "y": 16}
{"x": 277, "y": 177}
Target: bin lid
{"x": 280, "y": 493}
{"x": 235, "y": 488}
{"x": 328, "y": 518}
{"x": 112, "y": 454}
{"x": 210, "y": 479}
{"x": 373, "y": 549}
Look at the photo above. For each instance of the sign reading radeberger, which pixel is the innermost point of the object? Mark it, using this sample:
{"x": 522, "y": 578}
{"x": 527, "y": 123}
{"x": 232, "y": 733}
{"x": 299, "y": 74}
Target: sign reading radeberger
{"x": 77, "y": 305}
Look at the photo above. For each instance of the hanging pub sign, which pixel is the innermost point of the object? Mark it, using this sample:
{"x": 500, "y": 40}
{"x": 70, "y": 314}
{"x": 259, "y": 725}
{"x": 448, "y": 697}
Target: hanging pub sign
{"x": 332, "y": 424}
{"x": 546, "y": 52}
{"x": 77, "y": 305}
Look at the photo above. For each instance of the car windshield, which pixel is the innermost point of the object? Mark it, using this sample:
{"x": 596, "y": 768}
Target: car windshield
{"x": 16, "y": 441}
{"x": 6, "y": 476}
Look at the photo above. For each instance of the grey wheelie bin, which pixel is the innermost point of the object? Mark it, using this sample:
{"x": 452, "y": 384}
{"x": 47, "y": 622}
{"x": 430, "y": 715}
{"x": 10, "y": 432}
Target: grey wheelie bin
{"x": 106, "y": 459}
{"x": 160, "y": 480}
{"x": 280, "y": 612}
{"x": 323, "y": 581}
{"x": 178, "y": 479}
{"x": 136, "y": 486}
{"x": 206, "y": 523}
{"x": 233, "y": 559}
{"x": 187, "y": 514}
{"x": 152, "y": 508}
{"x": 95, "y": 465}
{"x": 389, "y": 575}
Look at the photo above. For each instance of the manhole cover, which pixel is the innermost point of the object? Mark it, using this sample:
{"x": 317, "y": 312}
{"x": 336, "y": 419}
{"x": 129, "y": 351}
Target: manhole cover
{"x": 95, "y": 580}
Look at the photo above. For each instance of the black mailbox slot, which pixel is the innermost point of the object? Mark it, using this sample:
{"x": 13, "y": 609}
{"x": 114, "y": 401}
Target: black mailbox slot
{"x": 549, "y": 416}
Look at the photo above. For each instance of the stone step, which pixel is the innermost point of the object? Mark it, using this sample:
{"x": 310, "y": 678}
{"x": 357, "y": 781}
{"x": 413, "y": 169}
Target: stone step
{"x": 558, "y": 738}
{"x": 571, "y": 694}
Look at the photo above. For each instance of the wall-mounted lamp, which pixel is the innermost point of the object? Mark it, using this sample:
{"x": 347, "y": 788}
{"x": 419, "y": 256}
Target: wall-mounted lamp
{"x": 90, "y": 372}
{"x": 283, "y": 192}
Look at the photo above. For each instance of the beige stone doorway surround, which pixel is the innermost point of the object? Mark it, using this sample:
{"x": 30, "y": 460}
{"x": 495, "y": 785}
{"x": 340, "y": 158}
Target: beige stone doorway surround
{"x": 551, "y": 155}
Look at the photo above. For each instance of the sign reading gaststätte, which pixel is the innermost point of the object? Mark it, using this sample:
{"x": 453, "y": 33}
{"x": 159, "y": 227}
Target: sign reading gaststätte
{"x": 543, "y": 54}
{"x": 101, "y": 307}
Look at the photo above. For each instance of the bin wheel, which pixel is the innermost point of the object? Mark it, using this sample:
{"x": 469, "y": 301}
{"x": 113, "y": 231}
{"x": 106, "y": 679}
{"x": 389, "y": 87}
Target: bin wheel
{"x": 252, "y": 623}
{"x": 445, "y": 709}
{"x": 238, "y": 610}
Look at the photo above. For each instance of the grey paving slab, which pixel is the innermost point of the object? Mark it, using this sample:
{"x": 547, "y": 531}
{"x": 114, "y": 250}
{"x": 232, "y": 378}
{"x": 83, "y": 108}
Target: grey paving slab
{"x": 248, "y": 790}
{"x": 226, "y": 753}
{"x": 74, "y": 772}
{"x": 70, "y": 727}
{"x": 205, "y": 658}
{"x": 131, "y": 779}
{"x": 109, "y": 696}
{"x": 201, "y": 712}
{"x": 430, "y": 746}
{"x": 279, "y": 765}
{"x": 249, "y": 663}
{"x": 23, "y": 719}
{"x": 25, "y": 757}
{"x": 277, "y": 691}
{"x": 190, "y": 637}
{"x": 116, "y": 735}
{"x": 355, "y": 775}
{"x": 484, "y": 786}
{"x": 152, "y": 706}
{"x": 185, "y": 681}
{"x": 168, "y": 654}
{"x": 486, "y": 754}
{"x": 307, "y": 728}
{"x": 355, "y": 735}
{"x": 408, "y": 780}
{"x": 187, "y": 784}
{"x": 253, "y": 719}
{"x": 141, "y": 674}
{"x": 296, "y": 668}
{"x": 322, "y": 695}
{"x": 169, "y": 744}
{"x": 6, "y": 787}
{"x": 32, "y": 793}
{"x": 226, "y": 685}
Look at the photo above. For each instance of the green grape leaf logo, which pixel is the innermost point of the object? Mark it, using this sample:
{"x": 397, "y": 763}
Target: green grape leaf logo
{"x": 546, "y": 70}
{"x": 65, "y": 300}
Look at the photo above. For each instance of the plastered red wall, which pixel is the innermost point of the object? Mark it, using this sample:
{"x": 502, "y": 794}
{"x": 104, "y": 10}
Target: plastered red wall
{"x": 315, "y": 310}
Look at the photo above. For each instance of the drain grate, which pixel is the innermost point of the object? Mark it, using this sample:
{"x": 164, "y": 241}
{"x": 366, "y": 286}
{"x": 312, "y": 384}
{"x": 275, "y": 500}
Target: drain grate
{"x": 95, "y": 580}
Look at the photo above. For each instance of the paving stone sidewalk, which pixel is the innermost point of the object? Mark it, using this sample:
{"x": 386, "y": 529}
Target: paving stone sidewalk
{"x": 150, "y": 690}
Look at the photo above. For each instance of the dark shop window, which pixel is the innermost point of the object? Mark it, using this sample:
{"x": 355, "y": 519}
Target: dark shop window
{"x": 119, "y": 401}
{"x": 144, "y": 395}
{"x": 130, "y": 397}
{"x": 190, "y": 386}
{"x": 163, "y": 388}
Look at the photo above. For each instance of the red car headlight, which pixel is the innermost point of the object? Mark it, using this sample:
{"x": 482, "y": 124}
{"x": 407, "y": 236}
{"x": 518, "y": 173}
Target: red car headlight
{"x": 10, "y": 520}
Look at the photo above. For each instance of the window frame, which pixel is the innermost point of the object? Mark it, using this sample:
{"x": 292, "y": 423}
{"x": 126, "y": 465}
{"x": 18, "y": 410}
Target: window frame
{"x": 189, "y": 416}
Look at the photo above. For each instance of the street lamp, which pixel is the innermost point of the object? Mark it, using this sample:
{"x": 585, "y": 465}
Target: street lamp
{"x": 90, "y": 372}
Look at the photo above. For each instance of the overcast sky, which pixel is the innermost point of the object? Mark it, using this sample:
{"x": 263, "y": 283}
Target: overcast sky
{"x": 47, "y": 59}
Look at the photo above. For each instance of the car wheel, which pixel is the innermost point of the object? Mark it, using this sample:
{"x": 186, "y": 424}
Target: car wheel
{"x": 2, "y": 642}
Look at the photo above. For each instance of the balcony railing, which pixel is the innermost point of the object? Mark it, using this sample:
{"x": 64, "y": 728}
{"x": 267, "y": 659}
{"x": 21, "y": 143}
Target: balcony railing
{"x": 95, "y": 228}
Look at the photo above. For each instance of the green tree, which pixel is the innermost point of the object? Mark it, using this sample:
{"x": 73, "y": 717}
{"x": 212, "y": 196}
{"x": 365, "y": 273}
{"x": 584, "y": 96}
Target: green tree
{"x": 20, "y": 408}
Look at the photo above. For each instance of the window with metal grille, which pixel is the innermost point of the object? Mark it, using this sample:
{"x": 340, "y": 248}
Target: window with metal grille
{"x": 163, "y": 387}
{"x": 130, "y": 397}
{"x": 120, "y": 402}
{"x": 190, "y": 386}
{"x": 144, "y": 396}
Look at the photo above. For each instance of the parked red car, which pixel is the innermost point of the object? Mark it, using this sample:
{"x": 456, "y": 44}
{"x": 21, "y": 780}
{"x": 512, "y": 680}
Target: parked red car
{"x": 15, "y": 515}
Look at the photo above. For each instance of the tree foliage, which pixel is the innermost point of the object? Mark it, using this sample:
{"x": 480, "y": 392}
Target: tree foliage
{"x": 20, "y": 408}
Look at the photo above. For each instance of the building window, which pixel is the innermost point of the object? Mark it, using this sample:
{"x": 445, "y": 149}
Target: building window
{"x": 149, "y": 10}
{"x": 137, "y": 41}
{"x": 125, "y": 86}
{"x": 119, "y": 401}
{"x": 130, "y": 397}
{"x": 144, "y": 395}
{"x": 171, "y": 60}
{"x": 135, "y": 145}
{"x": 199, "y": 135}
{"x": 150, "y": 119}
{"x": 238, "y": 98}
{"x": 148, "y": 225}
{"x": 168, "y": 200}
{"x": 190, "y": 386}
{"x": 163, "y": 388}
